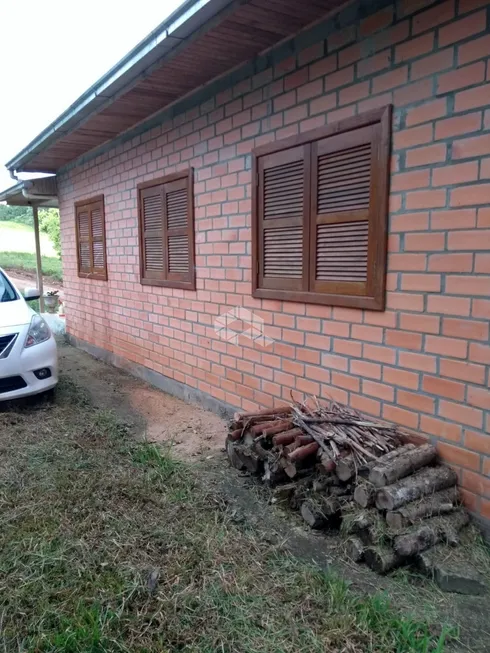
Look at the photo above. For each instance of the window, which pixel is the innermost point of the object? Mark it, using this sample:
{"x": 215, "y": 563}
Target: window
{"x": 7, "y": 292}
{"x": 166, "y": 224}
{"x": 91, "y": 245}
{"x": 320, "y": 210}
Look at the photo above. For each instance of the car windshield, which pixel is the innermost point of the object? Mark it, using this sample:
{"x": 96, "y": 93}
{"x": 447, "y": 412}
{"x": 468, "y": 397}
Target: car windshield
{"x": 7, "y": 292}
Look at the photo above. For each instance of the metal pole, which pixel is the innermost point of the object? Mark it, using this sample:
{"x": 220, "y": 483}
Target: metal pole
{"x": 39, "y": 267}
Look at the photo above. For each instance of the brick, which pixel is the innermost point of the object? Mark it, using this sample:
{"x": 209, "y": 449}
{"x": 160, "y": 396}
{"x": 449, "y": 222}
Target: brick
{"x": 479, "y": 397}
{"x": 310, "y": 90}
{"x": 463, "y": 29}
{"x": 346, "y": 381}
{"x": 434, "y": 63}
{"x": 459, "y": 285}
{"x": 472, "y": 98}
{"x": 370, "y": 333}
{"x": 435, "y": 385}
{"x": 340, "y": 78}
{"x": 480, "y": 353}
{"x": 425, "y": 199}
{"x": 453, "y": 219}
{"x": 376, "y": 22}
{"x": 390, "y": 80}
{"x": 380, "y": 354}
{"x": 470, "y": 501}
{"x": 484, "y": 217}
{"x": 331, "y": 361}
{"x": 404, "y": 339}
{"x": 371, "y": 65}
{"x": 458, "y": 125}
{"x": 471, "y": 5}
{"x": 460, "y": 413}
{"x": 400, "y": 416}
{"x": 458, "y": 456}
{"x": 469, "y": 240}
{"x": 409, "y": 222}
{"x": 365, "y": 369}
{"x": 470, "y": 195}
{"x": 446, "y": 346}
{"x": 323, "y": 103}
{"x": 427, "y": 112}
{"x": 354, "y": 93}
{"x": 365, "y": 405}
{"x": 419, "y": 362}
{"x": 485, "y": 169}
{"x": 423, "y": 282}
{"x": 407, "y": 7}
{"x": 310, "y": 54}
{"x": 414, "y": 48}
{"x": 478, "y": 442}
{"x": 474, "y": 50}
{"x": 450, "y": 263}
{"x": 463, "y": 371}
{"x": 470, "y": 329}
{"x": 298, "y": 78}
{"x": 421, "y": 323}
{"x": 430, "y": 18}
{"x": 379, "y": 390}
{"x": 410, "y": 93}
{"x": 416, "y": 401}
{"x": 410, "y": 180}
{"x": 340, "y": 38}
{"x": 323, "y": 67}
{"x": 398, "y": 377}
{"x": 459, "y": 78}
{"x": 405, "y": 301}
{"x": 476, "y": 483}
{"x": 407, "y": 262}
{"x": 285, "y": 101}
{"x": 440, "y": 428}
{"x": 413, "y": 136}
{"x": 457, "y": 173}
{"x": 481, "y": 308}
{"x": 424, "y": 242}
{"x": 425, "y": 155}
{"x": 334, "y": 328}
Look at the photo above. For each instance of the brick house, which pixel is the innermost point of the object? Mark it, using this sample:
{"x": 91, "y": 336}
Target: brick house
{"x": 229, "y": 114}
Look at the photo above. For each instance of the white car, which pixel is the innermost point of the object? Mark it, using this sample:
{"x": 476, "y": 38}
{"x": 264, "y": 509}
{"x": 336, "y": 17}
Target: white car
{"x": 28, "y": 353}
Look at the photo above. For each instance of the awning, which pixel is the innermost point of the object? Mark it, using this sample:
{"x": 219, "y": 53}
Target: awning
{"x": 32, "y": 192}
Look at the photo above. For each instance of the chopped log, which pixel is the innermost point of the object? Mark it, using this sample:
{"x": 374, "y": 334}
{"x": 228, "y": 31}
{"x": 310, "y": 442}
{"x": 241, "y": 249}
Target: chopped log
{"x": 312, "y": 513}
{"x": 402, "y": 465}
{"x": 431, "y": 532}
{"x": 279, "y": 427}
{"x": 236, "y": 434}
{"x": 354, "y": 549}
{"x": 258, "y": 429}
{"x": 263, "y": 412}
{"x": 327, "y": 462}
{"x": 282, "y": 493}
{"x": 249, "y": 458}
{"x": 290, "y": 469}
{"x": 364, "y": 495}
{"x": 287, "y": 437}
{"x": 368, "y": 525}
{"x": 381, "y": 559}
{"x": 235, "y": 460}
{"x": 299, "y": 441}
{"x": 346, "y": 467}
{"x": 425, "y": 481}
{"x": 439, "y": 503}
{"x": 273, "y": 473}
{"x": 303, "y": 452}
{"x": 331, "y": 506}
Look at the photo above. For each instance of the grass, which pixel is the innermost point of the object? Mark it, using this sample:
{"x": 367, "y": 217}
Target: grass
{"x": 110, "y": 545}
{"x": 17, "y": 237}
{"x": 27, "y": 261}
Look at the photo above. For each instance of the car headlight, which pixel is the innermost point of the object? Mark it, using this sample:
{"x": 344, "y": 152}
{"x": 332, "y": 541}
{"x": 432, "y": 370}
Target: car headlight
{"x": 38, "y": 332}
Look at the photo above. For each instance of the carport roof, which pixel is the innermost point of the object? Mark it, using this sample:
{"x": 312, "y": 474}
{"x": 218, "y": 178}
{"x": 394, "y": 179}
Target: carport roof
{"x": 202, "y": 40}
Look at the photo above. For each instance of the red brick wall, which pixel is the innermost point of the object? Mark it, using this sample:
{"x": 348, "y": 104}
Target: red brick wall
{"x": 424, "y": 362}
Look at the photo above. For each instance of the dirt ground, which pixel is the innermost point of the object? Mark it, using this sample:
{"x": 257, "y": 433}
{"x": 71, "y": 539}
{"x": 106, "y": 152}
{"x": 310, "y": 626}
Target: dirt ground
{"x": 23, "y": 279}
{"x": 196, "y": 434}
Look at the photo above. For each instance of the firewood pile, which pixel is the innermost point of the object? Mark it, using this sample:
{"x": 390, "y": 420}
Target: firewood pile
{"x": 391, "y": 500}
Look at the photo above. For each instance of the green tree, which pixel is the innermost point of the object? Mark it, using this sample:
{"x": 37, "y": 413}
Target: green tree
{"x": 19, "y": 214}
{"x": 49, "y": 223}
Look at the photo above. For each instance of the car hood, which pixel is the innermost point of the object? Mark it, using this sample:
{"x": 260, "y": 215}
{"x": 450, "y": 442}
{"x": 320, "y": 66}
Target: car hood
{"x": 14, "y": 313}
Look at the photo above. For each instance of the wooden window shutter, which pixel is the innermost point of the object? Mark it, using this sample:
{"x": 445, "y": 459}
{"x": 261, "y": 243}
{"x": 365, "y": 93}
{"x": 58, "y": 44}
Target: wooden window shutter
{"x": 345, "y": 211}
{"x": 91, "y": 243}
{"x": 283, "y": 203}
{"x": 167, "y": 231}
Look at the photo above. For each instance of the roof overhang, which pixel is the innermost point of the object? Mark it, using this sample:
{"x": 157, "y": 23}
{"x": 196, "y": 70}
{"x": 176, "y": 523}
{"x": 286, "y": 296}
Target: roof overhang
{"x": 38, "y": 192}
{"x": 201, "y": 41}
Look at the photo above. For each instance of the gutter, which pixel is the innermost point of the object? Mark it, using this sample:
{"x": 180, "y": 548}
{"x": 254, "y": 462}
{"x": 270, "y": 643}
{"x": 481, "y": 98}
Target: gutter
{"x": 174, "y": 31}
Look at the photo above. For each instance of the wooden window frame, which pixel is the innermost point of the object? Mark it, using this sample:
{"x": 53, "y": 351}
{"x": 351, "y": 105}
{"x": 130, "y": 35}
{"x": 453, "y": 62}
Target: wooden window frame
{"x": 98, "y": 276}
{"x": 375, "y": 297}
{"x": 161, "y": 181}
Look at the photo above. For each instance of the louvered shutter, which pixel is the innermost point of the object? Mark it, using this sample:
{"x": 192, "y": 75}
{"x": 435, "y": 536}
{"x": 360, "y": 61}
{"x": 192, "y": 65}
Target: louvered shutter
{"x": 283, "y": 203}
{"x": 91, "y": 245}
{"x": 167, "y": 232}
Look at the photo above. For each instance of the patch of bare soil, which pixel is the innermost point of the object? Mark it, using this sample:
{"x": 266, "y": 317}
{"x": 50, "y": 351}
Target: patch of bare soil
{"x": 190, "y": 430}
{"x": 24, "y": 279}
{"x": 196, "y": 434}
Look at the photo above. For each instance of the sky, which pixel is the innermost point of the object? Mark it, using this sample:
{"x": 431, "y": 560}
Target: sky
{"x": 51, "y": 51}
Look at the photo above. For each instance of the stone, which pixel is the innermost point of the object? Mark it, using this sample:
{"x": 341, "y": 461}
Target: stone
{"x": 451, "y": 572}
